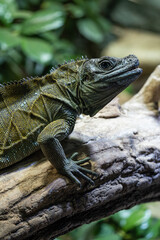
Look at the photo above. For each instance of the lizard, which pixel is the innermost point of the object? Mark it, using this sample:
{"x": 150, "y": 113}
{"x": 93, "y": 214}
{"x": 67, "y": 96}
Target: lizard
{"x": 39, "y": 112}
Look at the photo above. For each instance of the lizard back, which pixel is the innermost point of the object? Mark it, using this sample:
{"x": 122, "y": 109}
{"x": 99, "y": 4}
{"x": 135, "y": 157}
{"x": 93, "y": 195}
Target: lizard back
{"x": 26, "y": 107}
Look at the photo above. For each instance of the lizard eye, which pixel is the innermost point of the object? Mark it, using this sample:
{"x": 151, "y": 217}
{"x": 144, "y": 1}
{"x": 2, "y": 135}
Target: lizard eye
{"x": 105, "y": 65}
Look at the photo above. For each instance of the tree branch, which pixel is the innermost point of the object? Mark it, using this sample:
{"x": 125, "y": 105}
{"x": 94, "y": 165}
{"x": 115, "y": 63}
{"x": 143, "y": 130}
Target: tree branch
{"x": 38, "y": 203}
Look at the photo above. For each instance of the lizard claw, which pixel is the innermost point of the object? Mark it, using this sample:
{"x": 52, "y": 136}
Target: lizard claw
{"x": 74, "y": 155}
{"x": 72, "y": 168}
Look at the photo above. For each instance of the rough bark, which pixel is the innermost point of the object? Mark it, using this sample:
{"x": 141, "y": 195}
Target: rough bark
{"x": 38, "y": 203}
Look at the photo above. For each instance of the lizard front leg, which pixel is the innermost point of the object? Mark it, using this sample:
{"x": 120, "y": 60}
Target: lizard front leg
{"x": 53, "y": 150}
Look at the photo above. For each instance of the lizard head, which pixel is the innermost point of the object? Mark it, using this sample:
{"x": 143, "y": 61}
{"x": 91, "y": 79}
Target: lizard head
{"x": 101, "y": 79}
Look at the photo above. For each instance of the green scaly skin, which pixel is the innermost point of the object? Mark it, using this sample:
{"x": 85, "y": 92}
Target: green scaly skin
{"x": 40, "y": 112}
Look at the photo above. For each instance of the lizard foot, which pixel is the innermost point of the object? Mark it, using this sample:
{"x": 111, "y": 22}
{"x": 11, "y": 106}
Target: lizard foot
{"x": 73, "y": 168}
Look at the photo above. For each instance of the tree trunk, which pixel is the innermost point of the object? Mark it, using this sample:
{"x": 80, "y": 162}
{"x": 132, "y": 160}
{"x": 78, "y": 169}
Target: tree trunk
{"x": 38, "y": 203}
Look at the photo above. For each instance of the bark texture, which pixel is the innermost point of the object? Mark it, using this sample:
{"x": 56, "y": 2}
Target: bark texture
{"x": 124, "y": 146}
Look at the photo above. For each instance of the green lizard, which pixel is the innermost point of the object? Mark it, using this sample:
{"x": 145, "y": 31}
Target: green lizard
{"x": 41, "y": 111}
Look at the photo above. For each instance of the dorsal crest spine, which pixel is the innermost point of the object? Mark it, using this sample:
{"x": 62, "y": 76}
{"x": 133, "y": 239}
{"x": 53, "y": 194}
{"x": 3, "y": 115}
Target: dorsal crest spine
{"x": 67, "y": 62}
{"x": 26, "y": 79}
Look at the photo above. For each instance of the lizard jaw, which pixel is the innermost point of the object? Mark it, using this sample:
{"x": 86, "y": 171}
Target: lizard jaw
{"x": 129, "y": 76}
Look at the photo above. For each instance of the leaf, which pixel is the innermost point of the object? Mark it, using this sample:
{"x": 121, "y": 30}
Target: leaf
{"x": 8, "y": 39}
{"x": 43, "y": 21}
{"x": 37, "y": 49}
{"x": 22, "y": 14}
{"x": 91, "y": 8}
{"x": 85, "y": 232}
{"x": 103, "y": 23}
{"x": 136, "y": 219}
{"x": 107, "y": 232}
{"x": 133, "y": 217}
{"x": 153, "y": 231}
{"x": 90, "y": 30}
{"x": 76, "y": 11}
{"x": 7, "y": 8}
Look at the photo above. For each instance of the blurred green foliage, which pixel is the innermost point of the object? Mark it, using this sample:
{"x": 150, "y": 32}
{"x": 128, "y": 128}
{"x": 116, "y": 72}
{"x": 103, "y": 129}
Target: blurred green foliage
{"x": 133, "y": 224}
{"x": 37, "y": 34}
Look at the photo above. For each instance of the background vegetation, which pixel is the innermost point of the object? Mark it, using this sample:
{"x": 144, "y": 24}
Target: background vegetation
{"x": 133, "y": 224}
{"x": 37, "y": 34}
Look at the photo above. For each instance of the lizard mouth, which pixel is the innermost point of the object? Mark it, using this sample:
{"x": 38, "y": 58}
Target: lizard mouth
{"x": 129, "y": 76}
{"x": 126, "y": 72}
